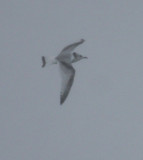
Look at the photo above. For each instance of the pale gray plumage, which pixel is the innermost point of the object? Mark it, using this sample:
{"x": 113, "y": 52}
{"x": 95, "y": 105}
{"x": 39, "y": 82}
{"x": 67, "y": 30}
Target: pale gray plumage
{"x": 67, "y": 73}
{"x": 65, "y": 60}
{"x": 68, "y": 49}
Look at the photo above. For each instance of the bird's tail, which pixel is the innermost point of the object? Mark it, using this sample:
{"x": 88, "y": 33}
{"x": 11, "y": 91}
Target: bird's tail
{"x": 43, "y": 61}
{"x": 48, "y": 61}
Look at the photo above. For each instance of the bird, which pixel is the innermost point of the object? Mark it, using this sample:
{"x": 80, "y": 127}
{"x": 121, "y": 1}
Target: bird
{"x": 65, "y": 59}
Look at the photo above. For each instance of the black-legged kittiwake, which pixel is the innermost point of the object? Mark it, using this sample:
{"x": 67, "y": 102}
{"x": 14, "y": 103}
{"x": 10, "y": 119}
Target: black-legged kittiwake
{"x": 65, "y": 60}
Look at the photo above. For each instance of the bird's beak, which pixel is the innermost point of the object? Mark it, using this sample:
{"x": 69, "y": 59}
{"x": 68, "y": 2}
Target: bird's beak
{"x": 85, "y": 57}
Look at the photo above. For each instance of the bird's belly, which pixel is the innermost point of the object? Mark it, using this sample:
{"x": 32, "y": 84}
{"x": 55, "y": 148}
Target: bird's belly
{"x": 65, "y": 58}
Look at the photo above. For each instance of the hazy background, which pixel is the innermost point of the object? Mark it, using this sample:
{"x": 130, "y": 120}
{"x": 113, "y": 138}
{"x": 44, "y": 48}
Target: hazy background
{"x": 102, "y": 119}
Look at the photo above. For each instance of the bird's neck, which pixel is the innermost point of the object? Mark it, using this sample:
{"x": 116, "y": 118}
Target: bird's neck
{"x": 74, "y": 59}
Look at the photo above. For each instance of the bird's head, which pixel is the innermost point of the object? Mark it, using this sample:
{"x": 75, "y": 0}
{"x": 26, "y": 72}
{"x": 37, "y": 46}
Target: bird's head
{"x": 78, "y": 57}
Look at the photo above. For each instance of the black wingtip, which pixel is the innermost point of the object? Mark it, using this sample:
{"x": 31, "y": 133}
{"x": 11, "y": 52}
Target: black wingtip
{"x": 61, "y": 101}
{"x": 82, "y": 40}
{"x": 43, "y": 61}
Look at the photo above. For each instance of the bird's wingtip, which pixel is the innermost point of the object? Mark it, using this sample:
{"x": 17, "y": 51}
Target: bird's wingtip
{"x": 61, "y": 103}
{"x": 62, "y": 99}
{"x": 82, "y": 40}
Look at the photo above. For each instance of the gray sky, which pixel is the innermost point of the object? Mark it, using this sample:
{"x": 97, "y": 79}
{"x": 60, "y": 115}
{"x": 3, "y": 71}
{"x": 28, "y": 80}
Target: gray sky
{"x": 102, "y": 118}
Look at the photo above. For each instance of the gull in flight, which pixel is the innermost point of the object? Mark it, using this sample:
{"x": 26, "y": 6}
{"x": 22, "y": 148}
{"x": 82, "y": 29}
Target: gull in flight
{"x": 65, "y": 60}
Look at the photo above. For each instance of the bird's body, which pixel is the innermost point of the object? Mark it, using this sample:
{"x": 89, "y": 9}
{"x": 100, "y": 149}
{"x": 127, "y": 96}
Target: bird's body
{"x": 65, "y": 60}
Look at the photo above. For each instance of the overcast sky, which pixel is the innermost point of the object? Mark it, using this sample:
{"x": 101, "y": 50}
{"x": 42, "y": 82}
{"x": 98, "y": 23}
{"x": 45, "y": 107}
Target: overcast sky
{"x": 102, "y": 118}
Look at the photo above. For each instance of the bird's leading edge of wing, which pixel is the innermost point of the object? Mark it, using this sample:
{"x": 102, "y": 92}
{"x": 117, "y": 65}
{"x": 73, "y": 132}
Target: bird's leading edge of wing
{"x": 71, "y": 47}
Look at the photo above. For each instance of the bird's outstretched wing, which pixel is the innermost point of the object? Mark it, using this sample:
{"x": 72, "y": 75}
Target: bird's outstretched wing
{"x": 67, "y": 74}
{"x": 71, "y": 47}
